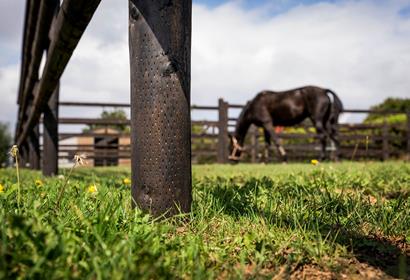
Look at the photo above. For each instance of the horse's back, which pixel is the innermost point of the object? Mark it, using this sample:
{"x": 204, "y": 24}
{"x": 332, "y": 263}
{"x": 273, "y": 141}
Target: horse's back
{"x": 290, "y": 107}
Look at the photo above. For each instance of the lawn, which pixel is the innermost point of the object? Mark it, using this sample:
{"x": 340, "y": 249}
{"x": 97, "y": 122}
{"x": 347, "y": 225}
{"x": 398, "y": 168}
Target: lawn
{"x": 345, "y": 221}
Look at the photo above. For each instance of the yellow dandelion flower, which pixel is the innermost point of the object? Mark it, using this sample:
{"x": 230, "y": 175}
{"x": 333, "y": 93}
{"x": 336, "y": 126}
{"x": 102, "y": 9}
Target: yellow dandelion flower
{"x": 1, "y": 188}
{"x": 314, "y": 162}
{"x": 39, "y": 183}
{"x": 127, "y": 181}
{"x": 92, "y": 189}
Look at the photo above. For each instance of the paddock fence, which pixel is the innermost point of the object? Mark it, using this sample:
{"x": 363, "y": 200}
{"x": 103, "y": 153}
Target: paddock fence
{"x": 107, "y": 145}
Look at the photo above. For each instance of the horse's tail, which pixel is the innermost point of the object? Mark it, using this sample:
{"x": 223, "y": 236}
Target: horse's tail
{"x": 335, "y": 108}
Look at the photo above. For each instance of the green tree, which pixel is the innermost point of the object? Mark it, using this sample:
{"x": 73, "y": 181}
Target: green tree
{"x": 116, "y": 114}
{"x": 396, "y": 122}
{"x": 395, "y": 104}
{"x": 5, "y": 143}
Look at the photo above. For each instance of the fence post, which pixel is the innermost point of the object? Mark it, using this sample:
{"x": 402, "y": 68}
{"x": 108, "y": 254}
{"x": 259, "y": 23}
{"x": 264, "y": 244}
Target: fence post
{"x": 50, "y": 135}
{"x": 34, "y": 148}
{"x": 254, "y": 143}
{"x": 223, "y": 131}
{"x": 24, "y": 155}
{"x": 385, "y": 133}
{"x": 160, "y": 57}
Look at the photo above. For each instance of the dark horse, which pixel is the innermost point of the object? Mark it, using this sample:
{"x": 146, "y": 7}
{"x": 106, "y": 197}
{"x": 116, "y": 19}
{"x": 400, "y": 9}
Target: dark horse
{"x": 287, "y": 108}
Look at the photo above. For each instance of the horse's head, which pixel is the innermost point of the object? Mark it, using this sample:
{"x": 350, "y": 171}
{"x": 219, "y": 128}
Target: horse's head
{"x": 235, "y": 149}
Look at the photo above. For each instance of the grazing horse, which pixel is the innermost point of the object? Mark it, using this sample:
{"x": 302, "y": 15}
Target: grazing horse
{"x": 288, "y": 108}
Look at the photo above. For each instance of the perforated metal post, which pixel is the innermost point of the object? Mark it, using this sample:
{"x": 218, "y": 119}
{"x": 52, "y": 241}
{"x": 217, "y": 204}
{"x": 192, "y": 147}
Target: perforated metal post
{"x": 160, "y": 44}
{"x": 50, "y": 135}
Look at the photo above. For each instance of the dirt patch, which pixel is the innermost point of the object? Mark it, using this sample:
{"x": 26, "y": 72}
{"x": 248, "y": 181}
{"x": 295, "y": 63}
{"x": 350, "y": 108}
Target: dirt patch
{"x": 396, "y": 194}
{"x": 310, "y": 271}
{"x": 390, "y": 254}
{"x": 352, "y": 269}
{"x": 349, "y": 269}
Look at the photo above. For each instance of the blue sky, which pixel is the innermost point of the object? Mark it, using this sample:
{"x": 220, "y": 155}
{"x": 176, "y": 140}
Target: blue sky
{"x": 282, "y": 4}
{"x": 275, "y": 7}
{"x": 271, "y": 7}
{"x": 248, "y": 3}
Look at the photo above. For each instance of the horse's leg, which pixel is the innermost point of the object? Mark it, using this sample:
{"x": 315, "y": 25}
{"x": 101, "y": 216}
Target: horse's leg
{"x": 322, "y": 134}
{"x": 333, "y": 137}
{"x": 320, "y": 119}
{"x": 268, "y": 127}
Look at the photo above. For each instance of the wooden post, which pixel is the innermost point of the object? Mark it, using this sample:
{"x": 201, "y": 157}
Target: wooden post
{"x": 34, "y": 148}
{"x": 160, "y": 56}
{"x": 385, "y": 133}
{"x": 50, "y": 136}
{"x": 223, "y": 131}
{"x": 254, "y": 143}
{"x": 24, "y": 155}
{"x": 65, "y": 33}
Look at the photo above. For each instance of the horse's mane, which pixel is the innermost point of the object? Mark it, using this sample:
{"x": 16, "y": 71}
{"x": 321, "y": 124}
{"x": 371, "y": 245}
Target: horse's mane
{"x": 244, "y": 110}
{"x": 241, "y": 124}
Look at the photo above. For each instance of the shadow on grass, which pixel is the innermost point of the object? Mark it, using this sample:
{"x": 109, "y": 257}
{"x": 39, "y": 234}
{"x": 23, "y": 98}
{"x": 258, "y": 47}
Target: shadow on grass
{"x": 392, "y": 256}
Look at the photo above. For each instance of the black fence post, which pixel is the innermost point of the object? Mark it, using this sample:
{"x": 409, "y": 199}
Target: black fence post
{"x": 223, "y": 131}
{"x": 50, "y": 135}
{"x": 24, "y": 154}
{"x": 34, "y": 148}
{"x": 160, "y": 56}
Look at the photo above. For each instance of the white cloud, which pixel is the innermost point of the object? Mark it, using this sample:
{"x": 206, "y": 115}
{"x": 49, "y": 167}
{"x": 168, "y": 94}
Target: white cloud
{"x": 360, "y": 49}
{"x": 9, "y": 79}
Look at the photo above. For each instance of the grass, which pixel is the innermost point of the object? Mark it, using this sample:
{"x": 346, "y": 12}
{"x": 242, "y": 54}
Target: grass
{"x": 248, "y": 221}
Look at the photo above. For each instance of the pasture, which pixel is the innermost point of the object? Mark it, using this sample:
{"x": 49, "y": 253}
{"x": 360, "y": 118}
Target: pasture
{"x": 343, "y": 221}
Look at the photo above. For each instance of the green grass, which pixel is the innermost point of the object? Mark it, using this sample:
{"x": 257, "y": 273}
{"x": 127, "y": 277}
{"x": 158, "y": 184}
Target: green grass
{"x": 248, "y": 221}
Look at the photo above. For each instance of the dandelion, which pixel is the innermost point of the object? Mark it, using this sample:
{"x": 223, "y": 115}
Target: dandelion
{"x": 78, "y": 160}
{"x": 39, "y": 183}
{"x": 1, "y": 188}
{"x": 92, "y": 189}
{"x": 314, "y": 162}
{"x": 127, "y": 181}
{"x": 14, "y": 153}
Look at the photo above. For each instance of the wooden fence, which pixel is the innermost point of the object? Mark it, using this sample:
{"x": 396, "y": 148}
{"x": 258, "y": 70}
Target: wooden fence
{"x": 210, "y": 142}
{"x": 157, "y": 48}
